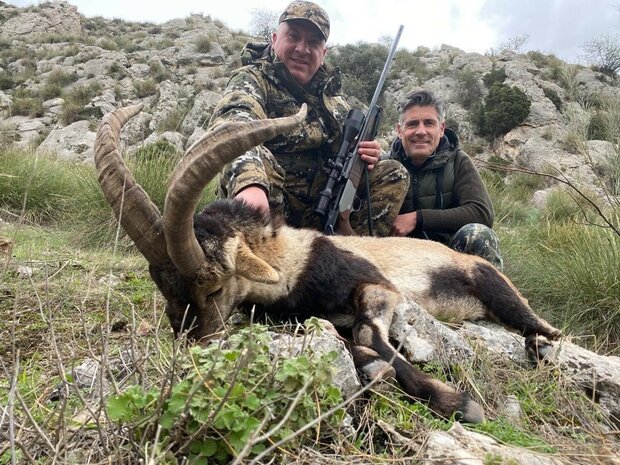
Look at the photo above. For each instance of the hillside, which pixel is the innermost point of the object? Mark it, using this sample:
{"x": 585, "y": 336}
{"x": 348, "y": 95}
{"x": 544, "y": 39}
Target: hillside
{"x": 61, "y": 72}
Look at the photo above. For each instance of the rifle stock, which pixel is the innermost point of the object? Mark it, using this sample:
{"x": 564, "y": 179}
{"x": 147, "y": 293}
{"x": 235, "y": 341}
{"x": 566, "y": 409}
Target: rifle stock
{"x": 337, "y": 199}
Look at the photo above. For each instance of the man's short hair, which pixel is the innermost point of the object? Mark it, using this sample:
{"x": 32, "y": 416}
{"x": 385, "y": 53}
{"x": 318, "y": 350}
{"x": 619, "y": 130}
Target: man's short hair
{"x": 423, "y": 98}
{"x": 301, "y": 9}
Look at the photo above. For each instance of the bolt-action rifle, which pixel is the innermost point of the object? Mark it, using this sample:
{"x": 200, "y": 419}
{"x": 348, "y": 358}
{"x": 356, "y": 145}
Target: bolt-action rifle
{"x": 336, "y": 201}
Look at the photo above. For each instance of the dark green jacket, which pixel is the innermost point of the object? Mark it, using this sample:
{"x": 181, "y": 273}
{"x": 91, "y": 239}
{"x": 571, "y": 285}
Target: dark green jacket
{"x": 447, "y": 191}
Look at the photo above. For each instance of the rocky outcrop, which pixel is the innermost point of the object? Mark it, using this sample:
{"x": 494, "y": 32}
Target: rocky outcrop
{"x": 58, "y": 18}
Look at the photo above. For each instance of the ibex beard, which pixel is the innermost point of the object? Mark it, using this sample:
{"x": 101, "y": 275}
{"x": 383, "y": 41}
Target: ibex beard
{"x": 231, "y": 255}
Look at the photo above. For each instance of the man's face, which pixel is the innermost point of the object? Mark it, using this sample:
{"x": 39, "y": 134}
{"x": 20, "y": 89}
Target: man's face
{"x": 420, "y": 132}
{"x": 301, "y": 46}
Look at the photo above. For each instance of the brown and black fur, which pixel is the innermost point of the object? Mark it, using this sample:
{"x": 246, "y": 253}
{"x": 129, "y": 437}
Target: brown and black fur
{"x": 234, "y": 256}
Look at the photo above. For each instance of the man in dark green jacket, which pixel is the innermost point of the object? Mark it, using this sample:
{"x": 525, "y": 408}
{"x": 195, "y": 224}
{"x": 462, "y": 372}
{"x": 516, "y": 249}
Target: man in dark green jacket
{"x": 446, "y": 201}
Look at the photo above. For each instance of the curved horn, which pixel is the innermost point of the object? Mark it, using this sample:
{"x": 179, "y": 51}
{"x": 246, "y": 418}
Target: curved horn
{"x": 138, "y": 215}
{"x": 201, "y": 163}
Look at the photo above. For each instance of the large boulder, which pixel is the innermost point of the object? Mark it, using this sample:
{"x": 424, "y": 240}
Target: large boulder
{"x": 74, "y": 143}
{"x": 59, "y": 18}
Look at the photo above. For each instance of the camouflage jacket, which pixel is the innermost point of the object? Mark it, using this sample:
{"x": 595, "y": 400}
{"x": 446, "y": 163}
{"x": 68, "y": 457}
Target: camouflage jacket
{"x": 447, "y": 191}
{"x": 264, "y": 88}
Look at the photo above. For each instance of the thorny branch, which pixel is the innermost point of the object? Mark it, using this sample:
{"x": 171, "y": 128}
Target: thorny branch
{"x": 561, "y": 178}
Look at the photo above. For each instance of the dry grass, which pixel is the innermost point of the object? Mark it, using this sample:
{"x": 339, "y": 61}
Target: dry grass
{"x": 63, "y": 308}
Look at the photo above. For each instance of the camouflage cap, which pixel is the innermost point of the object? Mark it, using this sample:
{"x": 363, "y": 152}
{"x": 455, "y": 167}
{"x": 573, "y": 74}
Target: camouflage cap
{"x": 309, "y": 11}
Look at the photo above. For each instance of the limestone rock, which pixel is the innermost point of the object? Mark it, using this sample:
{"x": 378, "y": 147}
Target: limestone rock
{"x": 457, "y": 446}
{"x": 51, "y": 18}
{"x": 74, "y": 142}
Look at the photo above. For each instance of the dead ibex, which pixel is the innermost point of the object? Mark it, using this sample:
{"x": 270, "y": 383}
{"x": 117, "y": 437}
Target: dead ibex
{"x": 230, "y": 255}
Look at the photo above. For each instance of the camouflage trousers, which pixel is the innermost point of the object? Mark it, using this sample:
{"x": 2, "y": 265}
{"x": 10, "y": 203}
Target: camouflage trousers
{"x": 478, "y": 239}
{"x": 295, "y": 190}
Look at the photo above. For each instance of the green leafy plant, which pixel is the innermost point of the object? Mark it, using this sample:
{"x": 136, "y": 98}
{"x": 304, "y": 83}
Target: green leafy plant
{"x": 233, "y": 398}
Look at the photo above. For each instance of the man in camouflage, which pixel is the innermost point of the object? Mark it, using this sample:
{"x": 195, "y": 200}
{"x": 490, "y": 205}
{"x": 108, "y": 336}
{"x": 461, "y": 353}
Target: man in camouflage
{"x": 446, "y": 200}
{"x": 286, "y": 174}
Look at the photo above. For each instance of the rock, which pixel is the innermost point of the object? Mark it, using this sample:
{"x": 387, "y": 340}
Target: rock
{"x": 75, "y": 142}
{"x": 597, "y": 375}
{"x": 101, "y": 65}
{"x": 457, "y": 446}
{"x": 425, "y": 339}
{"x": 173, "y": 138}
{"x": 345, "y": 376}
{"x": 198, "y": 116}
{"x": 59, "y": 18}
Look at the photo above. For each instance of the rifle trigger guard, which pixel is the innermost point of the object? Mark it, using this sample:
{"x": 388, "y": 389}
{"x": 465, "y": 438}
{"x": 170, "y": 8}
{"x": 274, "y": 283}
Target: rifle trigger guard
{"x": 357, "y": 204}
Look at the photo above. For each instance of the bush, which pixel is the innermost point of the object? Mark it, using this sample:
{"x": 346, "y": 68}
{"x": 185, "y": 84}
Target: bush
{"x": 597, "y": 128}
{"x": 554, "y": 97}
{"x": 468, "y": 87}
{"x": 604, "y": 54}
{"x": 25, "y": 103}
{"x": 76, "y": 99}
{"x": 145, "y": 87}
{"x": 6, "y": 81}
{"x": 233, "y": 399}
{"x": 158, "y": 72}
{"x": 410, "y": 63}
{"x": 571, "y": 273}
{"x": 364, "y": 62}
{"x": 41, "y": 188}
{"x": 495, "y": 76}
{"x": 203, "y": 44}
{"x": 504, "y": 109}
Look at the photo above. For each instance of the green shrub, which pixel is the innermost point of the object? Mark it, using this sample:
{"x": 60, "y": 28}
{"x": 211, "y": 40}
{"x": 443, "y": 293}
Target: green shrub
{"x": 25, "y": 103}
{"x": 163, "y": 44}
{"x": 107, "y": 44}
{"x": 554, "y": 97}
{"x": 597, "y": 128}
{"x": 363, "y": 61}
{"x": 203, "y": 44}
{"x": 504, "y": 109}
{"x": 495, "y": 76}
{"x": 158, "y": 72}
{"x": 144, "y": 88}
{"x": 117, "y": 71}
{"x": 6, "y": 80}
{"x": 40, "y": 187}
{"x": 411, "y": 64}
{"x": 231, "y": 394}
{"x": 55, "y": 82}
{"x": 468, "y": 88}
{"x": 76, "y": 99}
{"x": 173, "y": 121}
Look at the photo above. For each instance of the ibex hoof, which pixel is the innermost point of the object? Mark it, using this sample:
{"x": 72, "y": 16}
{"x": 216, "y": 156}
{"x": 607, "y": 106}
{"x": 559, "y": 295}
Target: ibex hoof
{"x": 470, "y": 412}
{"x": 538, "y": 348}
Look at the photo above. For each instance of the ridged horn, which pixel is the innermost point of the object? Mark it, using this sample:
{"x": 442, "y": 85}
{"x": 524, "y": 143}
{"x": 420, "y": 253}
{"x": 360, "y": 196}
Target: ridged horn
{"x": 199, "y": 166}
{"x": 138, "y": 215}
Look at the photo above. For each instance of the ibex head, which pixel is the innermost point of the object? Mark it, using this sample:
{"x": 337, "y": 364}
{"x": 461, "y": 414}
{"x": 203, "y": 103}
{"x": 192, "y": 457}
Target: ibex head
{"x": 201, "y": 264}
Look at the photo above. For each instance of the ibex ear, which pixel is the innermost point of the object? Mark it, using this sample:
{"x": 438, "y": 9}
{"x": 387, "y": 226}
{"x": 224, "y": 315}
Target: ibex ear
{"x": 254, "y": 268}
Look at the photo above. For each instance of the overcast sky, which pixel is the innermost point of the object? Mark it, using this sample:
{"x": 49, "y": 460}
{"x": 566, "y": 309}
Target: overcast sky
{"x": 560, "y": 27}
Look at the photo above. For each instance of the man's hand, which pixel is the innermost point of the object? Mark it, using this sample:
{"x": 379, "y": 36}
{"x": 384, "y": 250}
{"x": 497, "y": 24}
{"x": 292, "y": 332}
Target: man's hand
{"x": 370, "y": 152}
{"x": 404, "y": 224}
{"x": 255, "y": 197}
